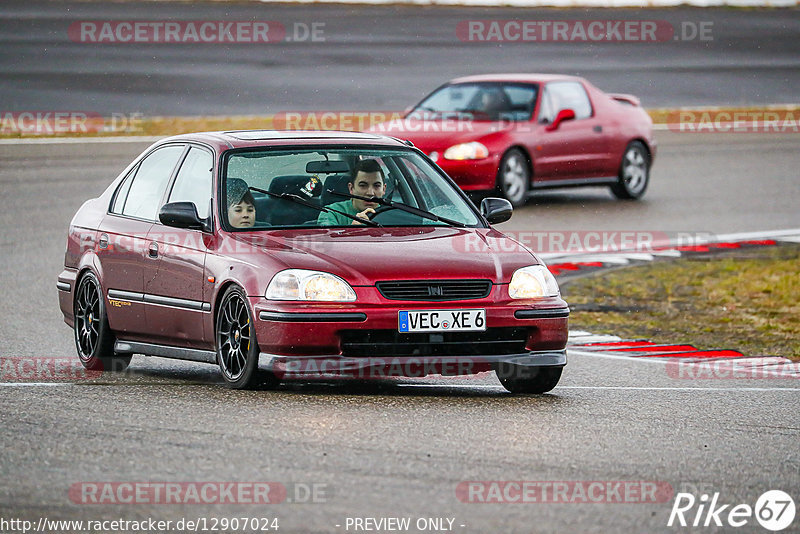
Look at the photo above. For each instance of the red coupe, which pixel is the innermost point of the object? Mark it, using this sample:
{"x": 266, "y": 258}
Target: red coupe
{"x": 307, "y": 255}
{"x": 516, "y": 132}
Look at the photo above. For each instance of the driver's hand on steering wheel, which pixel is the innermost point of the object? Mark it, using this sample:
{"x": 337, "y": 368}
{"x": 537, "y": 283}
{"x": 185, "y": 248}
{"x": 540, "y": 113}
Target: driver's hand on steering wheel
{"x": 364, "y": 215}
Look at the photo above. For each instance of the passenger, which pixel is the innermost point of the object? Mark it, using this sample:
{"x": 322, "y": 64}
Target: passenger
{"x": 367, "y": 180}
{"x": 241, "y": 204}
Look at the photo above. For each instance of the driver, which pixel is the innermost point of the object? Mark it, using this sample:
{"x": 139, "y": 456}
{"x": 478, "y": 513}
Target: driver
{"x": 367, "y": 181}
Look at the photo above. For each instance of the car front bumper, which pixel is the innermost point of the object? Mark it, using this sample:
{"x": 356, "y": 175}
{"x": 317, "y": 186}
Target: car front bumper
{"x": 472, "y": 175}
{"x": 354, "y": 339}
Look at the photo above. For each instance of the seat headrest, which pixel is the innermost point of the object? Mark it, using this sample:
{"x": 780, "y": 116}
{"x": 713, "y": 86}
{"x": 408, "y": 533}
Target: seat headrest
{"x": 302, "y": 185}
{"x": 338, "y": 183}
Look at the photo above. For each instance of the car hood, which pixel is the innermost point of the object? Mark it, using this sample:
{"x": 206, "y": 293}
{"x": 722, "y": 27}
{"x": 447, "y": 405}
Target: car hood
{"x": 365, "y": 256}
{"x": 429, "y": 135}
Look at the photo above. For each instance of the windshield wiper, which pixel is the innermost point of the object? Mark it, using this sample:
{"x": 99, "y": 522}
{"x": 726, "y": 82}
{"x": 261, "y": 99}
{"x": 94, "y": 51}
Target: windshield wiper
{"x": 401, "y": 206}
{"x": 298, "y": 200}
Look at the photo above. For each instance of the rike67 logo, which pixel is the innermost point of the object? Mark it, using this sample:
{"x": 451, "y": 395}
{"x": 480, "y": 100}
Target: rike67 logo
{"x": 774, "y": 510}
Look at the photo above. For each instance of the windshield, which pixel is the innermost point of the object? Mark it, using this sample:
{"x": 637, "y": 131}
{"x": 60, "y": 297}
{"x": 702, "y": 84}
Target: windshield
{"x": 481, "y": 101}
{"x": 329, "y": 187}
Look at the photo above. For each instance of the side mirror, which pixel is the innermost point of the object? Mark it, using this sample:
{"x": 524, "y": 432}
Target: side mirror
{"x": 183, "y": 215}
{"x": 496, "y": 210}
{"x": 563, "y": 115}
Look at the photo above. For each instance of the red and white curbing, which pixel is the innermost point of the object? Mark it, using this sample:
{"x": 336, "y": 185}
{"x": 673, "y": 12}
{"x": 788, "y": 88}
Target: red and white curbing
{"x": 684, "y": 360}
{"x": 690, "y": 359}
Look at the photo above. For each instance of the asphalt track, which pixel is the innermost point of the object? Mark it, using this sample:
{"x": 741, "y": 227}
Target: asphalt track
{"x": 376, "y": 58}
{"x": 401, "y": 447}
{"x": 394, "y": 448}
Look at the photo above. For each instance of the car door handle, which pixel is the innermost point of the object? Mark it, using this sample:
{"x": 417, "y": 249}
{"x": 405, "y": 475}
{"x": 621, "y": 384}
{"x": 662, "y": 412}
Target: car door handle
{"x": 153, "y": 250}
{"x": 597, "y": 128}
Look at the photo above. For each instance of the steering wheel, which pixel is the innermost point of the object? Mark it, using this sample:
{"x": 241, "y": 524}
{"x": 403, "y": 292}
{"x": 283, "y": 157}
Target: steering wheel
{"x": 379, "y": 210}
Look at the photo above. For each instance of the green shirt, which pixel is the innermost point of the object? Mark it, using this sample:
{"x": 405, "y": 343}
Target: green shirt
{"x": 329, "y": 218}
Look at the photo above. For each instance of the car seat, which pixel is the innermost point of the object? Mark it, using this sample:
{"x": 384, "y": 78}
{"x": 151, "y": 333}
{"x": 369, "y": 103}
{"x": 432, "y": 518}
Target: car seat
{"x": 286, "y": 212}
{"x": 335, "y": 182}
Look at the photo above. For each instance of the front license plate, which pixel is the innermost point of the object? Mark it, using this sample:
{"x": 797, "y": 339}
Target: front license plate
{"x": 442, "y": 321}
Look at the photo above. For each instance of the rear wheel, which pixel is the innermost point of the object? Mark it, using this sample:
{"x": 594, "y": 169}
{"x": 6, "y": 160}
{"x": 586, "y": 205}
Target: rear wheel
{"x": 634, "y": 172}
{"x": 237, "y": 349}
{"x": 514, "y": 177}
{"x": 93, "y": 337}
{"x": 524, "y": 379}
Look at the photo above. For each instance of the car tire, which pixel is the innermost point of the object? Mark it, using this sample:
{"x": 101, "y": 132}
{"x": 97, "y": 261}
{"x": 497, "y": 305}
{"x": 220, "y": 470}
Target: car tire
{"x": 634, "y": 172}
{"x": 514, "y": 177}
{"x": 94, "y": 339}
{"x": 525, "y": 379}
{"x": 237, "y": 348}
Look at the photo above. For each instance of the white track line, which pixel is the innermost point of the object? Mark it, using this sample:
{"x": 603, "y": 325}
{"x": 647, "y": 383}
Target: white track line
{"x": 613, "y": 356}
{"x": 33, "y": 384}
{"x": 670, "y": 388}
{"x": 611, "y": 388}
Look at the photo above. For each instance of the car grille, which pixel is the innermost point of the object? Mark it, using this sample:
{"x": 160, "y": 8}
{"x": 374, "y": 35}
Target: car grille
{"x": 383, "y": 343}
{"x": 435, "y": 290}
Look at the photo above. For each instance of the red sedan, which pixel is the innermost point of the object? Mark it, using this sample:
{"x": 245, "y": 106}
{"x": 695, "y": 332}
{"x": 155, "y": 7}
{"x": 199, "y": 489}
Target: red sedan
{"x": 309, "y": 255}
{"x": 516, "y": 132}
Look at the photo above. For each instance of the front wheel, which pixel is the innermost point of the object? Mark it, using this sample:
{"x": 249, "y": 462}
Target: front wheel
{"x": 93, "y": 337}
{"x": 514, "y": 177}
{"x": 634, "y": 172}
{"x": 524, "y": 379}
{"x": 237, "y": 349}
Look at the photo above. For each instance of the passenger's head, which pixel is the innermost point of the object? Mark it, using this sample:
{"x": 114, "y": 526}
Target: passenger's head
{"x": 366, "y": 181}
{"x": 241, "y": 204}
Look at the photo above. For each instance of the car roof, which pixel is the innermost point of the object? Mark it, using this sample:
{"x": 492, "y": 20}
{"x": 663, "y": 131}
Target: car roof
{"x": 511, "y": 77}
{"x": 255, "y": 138}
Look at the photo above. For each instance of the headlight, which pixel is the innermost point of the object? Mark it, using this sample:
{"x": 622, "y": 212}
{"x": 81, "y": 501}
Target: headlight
{"x": 532, "y": 283}
{"x": 299, "y": 284}
{"x": 473, "y": 150}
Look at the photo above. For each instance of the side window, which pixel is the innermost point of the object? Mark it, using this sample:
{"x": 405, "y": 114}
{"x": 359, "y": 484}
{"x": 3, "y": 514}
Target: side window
{"x": 150, "y": 182}
{"x": 564, "y": 95}
{"x": 193, "y": 183}
{"x": 546, "y": 113}
{"x": 122, "y": 192}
